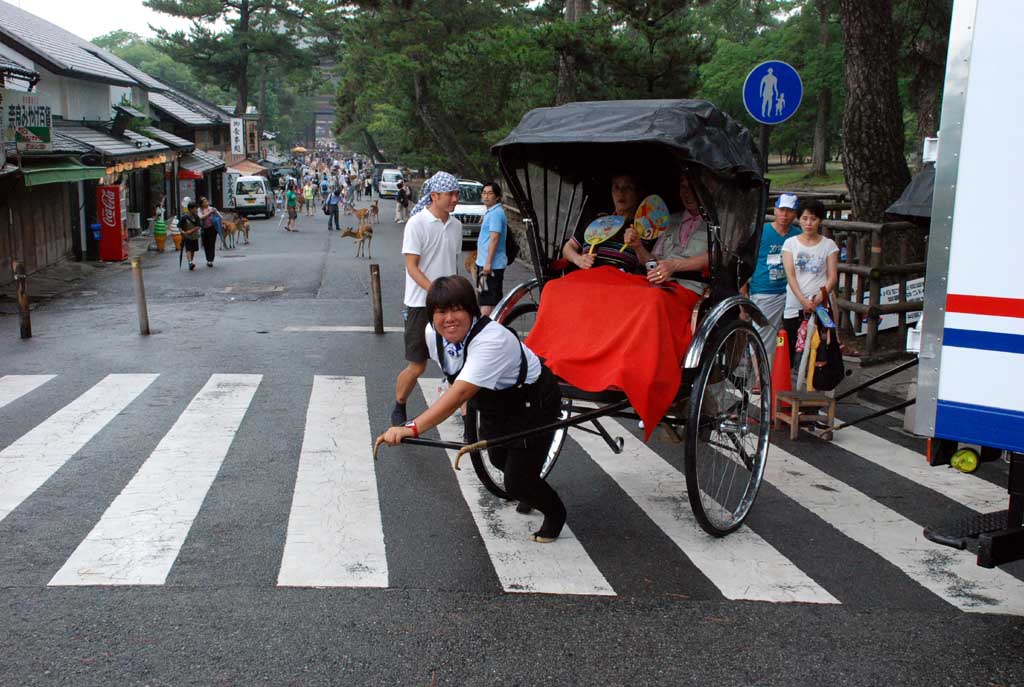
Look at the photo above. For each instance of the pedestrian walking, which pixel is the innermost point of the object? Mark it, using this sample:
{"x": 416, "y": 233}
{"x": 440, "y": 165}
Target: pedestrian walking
{"x": 767, "y": 286}
{"x": 368, "y": 187}
{"x": 401, "y": 203}
{"x": 291, "y": 205}
{"x": 430, "y": 244}
{"x": 307, "y": 194}
{"x": 188, "y": 225}
{"x": 332, "y": 204}
{"x": 209, "y": 217}
{"x": 491, "y": 259}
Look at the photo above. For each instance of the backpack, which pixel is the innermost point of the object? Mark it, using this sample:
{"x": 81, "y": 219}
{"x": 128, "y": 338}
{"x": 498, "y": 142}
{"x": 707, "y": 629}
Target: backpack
{"x": 511, "y": 245}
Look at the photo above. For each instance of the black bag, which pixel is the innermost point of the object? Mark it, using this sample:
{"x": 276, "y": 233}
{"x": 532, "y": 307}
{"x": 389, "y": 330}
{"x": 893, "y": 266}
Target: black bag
{"x": 511, "y": 245}
{"x": 327, "y": 209}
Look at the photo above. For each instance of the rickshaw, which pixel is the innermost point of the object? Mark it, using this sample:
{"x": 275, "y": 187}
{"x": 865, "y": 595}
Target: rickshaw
{"x": 557, "y": 164}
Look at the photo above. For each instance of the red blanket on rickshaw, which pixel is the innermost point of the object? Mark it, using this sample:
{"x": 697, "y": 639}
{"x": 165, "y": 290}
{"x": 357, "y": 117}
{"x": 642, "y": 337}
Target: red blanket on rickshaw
{"x": 602, "y": 329}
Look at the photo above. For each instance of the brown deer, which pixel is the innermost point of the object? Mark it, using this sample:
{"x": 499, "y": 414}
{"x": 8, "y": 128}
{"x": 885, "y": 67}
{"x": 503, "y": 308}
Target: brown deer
{"x": 360, "y": 213}
{"x": 375, "y": 211}
{"x": 363, "y": 236}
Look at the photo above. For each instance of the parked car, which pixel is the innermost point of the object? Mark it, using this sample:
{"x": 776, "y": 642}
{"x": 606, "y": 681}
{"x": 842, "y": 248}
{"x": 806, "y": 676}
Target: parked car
{"x": 378, "y": 169}
{"x": 470, "y": 211}
{"x": 388, "y": 185}
{"x": 253, "y": 196}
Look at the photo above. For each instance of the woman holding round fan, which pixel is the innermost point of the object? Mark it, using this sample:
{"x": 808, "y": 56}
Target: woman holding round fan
{"x": 682, "y": 247}
{"x": 626, "y": 195}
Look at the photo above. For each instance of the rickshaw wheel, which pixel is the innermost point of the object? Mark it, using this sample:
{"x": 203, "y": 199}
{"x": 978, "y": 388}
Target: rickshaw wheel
{"x": 727, "y": 429}
{"x": 520, "y": 319}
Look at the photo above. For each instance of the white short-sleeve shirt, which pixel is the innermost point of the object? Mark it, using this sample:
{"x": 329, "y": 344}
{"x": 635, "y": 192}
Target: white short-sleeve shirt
{"x": 810, "y": 263}
{"x": 493, "y": 361}
{"x": 438, "y": 244}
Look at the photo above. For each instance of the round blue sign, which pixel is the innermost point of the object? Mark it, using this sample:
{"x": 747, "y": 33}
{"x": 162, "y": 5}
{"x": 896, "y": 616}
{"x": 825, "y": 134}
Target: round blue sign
{"x": 772, "y": 92}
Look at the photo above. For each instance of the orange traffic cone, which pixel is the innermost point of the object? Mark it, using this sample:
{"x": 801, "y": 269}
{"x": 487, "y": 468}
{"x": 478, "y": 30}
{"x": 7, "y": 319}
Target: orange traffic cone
{"x": 781, "y": 374}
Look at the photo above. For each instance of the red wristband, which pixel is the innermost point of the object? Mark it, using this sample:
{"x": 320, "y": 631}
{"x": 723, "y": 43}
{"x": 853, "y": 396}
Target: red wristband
{"x": 415, "y": 431}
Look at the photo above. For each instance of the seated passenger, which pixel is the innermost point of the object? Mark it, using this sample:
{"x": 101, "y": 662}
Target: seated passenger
{"x": 626, "y": 196}
{"x": 682, "y": 247}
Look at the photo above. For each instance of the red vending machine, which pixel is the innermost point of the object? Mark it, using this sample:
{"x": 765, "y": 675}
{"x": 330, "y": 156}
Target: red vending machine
{"x": 114, "y": 234}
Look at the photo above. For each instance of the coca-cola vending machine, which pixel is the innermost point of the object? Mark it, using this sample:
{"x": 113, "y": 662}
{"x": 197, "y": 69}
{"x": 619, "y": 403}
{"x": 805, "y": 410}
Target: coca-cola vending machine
{"x": 113, "y": 233}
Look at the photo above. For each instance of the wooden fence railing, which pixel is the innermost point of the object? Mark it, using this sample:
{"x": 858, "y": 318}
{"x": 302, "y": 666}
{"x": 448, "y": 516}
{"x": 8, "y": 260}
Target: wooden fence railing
{"x": 864, "y": 269}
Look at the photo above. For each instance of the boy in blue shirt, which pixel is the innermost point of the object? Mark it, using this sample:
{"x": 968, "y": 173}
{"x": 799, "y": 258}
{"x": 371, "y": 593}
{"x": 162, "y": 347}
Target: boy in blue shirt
{"x": 491, "y": 260}
{"x": 767, "y": 286}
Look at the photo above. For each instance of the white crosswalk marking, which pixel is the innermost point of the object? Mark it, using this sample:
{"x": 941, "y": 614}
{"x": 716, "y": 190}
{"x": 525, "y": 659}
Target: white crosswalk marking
{"x": 952, "y": 575}
{"x": 13, "y": 387}
{"x": 742, "y": 565}
{"x": 335, "y": 533}
{"x": 139, "y": 536}
{"x": 972, "y": 492}
{"x": 562, "y": 567}
{"x": 27, "y": 463}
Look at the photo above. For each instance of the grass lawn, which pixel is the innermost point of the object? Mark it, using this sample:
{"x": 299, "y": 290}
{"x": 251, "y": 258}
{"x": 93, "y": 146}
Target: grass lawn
{"x": 794, "y": 178}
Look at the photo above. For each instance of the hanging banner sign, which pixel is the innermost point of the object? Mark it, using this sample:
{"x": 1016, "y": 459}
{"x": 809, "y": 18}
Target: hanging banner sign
{"x": 237, "y": 136}
{"x": 27, "y": 120}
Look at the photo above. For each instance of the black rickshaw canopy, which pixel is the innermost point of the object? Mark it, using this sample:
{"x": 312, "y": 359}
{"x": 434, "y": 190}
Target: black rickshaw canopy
{"x": 697, "y": 129}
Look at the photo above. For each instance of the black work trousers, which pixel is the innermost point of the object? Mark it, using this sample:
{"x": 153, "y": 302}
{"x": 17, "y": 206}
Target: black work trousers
{"x": 523, "y": 460}
{"x": 210, "y": 242}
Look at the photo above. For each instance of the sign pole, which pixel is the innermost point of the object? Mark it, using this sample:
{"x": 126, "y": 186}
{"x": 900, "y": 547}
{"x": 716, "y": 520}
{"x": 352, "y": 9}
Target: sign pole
{"x": 762, "y": 143}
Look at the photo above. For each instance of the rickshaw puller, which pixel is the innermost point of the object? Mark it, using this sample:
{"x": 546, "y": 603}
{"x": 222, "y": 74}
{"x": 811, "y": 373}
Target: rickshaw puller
{"x": 504, "y": 381}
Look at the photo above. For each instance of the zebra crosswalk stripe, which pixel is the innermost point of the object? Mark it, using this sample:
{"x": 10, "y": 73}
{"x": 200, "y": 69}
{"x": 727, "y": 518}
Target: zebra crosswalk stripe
{"x": 139, "y": 536}
{"x": 979, "y": 494}
{"x": 742, "y": 565}
{"x": 27, "y": 463}
{"x": 950, "y": 574}
{"x": 562, "y": 567}
{"x": 13, "y": 387}
{"x": 335, "y": 533}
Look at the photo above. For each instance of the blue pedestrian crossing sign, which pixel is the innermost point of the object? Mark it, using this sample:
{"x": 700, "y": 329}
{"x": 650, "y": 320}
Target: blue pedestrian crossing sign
{"x": 772, "y": 92}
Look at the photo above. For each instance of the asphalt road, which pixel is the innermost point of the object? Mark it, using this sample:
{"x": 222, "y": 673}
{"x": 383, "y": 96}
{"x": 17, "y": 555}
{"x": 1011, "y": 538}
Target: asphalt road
{"x": 222, "y": 429}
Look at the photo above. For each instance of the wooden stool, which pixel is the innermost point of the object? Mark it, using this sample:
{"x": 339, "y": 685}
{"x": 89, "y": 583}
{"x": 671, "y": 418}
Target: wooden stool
{"x": 805, "y": 400}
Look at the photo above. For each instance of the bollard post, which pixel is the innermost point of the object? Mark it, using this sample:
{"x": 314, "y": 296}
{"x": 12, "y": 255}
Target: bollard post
{"x": 23, "y": 312}
{"x": 140, "y": 297}
{"x": 378, "y": 310}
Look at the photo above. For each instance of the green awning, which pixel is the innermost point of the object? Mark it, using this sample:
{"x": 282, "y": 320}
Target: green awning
{"x": 59, "y": 172}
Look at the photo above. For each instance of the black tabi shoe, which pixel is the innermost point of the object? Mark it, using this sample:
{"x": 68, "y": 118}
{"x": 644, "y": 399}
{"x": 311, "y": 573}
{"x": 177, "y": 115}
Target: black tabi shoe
{"x": 398, "y": 417}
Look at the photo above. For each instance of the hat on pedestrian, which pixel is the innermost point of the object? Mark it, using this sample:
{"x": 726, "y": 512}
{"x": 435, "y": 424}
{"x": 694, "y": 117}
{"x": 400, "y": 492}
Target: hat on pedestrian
{"x": 786, "y": 200}
{"x": 441, "y": 182}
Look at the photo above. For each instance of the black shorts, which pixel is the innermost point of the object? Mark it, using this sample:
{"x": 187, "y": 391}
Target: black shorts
{"x": 191, "y": 244}
{"x": 494, "y": 281}
{"x": 293, "y": 213}
{"x": 415, "y": 344}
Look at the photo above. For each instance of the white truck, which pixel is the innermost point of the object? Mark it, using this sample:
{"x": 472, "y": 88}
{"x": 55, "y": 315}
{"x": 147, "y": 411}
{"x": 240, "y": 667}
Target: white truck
{"x": 970, "y": 390}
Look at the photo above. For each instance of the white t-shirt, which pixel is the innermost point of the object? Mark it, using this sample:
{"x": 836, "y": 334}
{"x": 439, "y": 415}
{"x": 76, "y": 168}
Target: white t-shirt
{"x": 811, "y": 266}
{"x": 438, "y": 245}
{"x": 493, "y": 361}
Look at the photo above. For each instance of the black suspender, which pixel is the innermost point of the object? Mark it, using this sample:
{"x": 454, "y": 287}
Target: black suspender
{"x": 474, "y": 330}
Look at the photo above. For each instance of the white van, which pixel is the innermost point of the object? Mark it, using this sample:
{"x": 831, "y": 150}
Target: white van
{"x": 388, "y": 185}
{"x": 254, "y": 197}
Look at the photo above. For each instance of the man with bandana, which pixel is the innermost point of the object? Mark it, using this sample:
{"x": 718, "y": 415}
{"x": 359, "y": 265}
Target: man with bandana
{"x": 431, "y": 243}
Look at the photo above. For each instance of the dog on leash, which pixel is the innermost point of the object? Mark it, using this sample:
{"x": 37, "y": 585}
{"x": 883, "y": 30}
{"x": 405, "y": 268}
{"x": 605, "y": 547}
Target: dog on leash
{"x": 375, "y": 212}
{"x": 363, "y": 236}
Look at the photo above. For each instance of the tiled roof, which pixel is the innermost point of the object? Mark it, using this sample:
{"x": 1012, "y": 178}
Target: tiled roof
{"x": 201, "y": 161}
{"x": 131, "y": 144}
{"x": 131, "y": 111}
{"x": 62, "y": 145}
{"x": 147, "y": 81}
{"x": 170, "y": 139}
{"x": 186, "y": 110}
{"x": 61, "y": 51}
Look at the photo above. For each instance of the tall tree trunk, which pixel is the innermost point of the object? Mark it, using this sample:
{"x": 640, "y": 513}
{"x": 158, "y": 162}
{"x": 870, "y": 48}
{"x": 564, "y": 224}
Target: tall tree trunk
{"x": 440, "y": 129}
{"x": 242, "y": 82}
{"x": 565, "y": 90}
{"x": 819, "y": 152}
{"x": 371, "y": 146}
{"x": 873, "y": 164}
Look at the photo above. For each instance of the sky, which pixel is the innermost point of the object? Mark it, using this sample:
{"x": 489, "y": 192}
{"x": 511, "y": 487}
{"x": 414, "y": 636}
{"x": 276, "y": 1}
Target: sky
{"x": 88, "y": 19}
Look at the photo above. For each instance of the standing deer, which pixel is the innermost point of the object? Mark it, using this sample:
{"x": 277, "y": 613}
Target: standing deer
{"x": 364, "y": 234}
